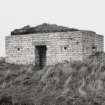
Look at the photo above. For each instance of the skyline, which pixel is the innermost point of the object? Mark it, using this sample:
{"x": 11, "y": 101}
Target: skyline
{"x": 81, "y": 14}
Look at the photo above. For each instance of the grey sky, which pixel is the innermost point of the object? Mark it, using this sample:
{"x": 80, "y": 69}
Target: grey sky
{"x": 82, "y": 14}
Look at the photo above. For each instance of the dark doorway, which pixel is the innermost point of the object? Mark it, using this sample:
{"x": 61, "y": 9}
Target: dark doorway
{"x": 40, "y": 53}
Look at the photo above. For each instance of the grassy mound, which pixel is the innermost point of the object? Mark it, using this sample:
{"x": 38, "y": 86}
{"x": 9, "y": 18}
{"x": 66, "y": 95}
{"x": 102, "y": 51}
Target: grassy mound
{"x": 43, "y": 28}
{"x": 68, "y": 83}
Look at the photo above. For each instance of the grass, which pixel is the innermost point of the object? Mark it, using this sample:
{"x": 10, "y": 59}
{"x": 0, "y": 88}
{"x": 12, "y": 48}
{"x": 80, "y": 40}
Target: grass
{"x": 69, "y": 83}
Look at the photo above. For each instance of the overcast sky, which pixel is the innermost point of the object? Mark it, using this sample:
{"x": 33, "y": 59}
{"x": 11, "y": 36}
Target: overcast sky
{"x": 82, "y": 14}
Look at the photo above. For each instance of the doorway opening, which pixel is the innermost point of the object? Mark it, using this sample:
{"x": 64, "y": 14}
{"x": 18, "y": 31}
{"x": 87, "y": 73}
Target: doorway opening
{"x": 40, "y": 56}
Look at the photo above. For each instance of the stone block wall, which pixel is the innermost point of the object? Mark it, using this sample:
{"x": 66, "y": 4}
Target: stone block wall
{"x": 61, "y": 46}
{"x": 19, "y": 50}
{"x": 88, "y": 41}
{"x": 65, "y": 46}
{"x": 91, "y": 43}
{"x": 99, "y": 42}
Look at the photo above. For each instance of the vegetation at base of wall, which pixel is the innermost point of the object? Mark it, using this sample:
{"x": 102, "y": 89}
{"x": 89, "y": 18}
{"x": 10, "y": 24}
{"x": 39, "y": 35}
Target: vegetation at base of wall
{"x": 67, "y": 83}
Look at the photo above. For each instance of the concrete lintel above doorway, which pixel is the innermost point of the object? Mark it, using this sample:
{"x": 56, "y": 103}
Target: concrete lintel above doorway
{"x": 40, "y": 43}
